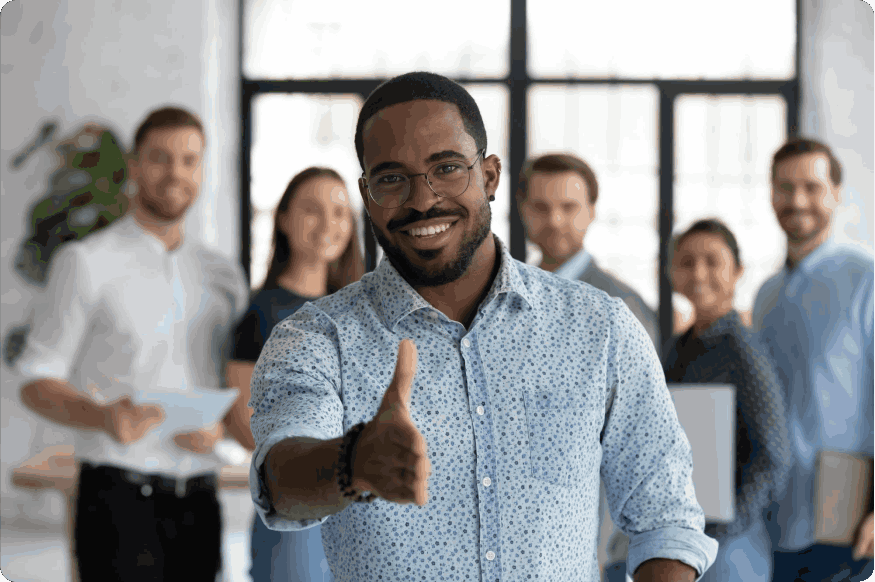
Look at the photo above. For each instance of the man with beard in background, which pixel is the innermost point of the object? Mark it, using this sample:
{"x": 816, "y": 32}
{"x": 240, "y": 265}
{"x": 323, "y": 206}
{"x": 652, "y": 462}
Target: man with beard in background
{"x": 815, "y": 317}
{"x": 139, "y": 307}
{"x": 474, "y": 399}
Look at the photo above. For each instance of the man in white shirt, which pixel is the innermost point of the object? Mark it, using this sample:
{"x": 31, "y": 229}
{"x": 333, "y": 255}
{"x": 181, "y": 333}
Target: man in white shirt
{"x": 132, "y": 309}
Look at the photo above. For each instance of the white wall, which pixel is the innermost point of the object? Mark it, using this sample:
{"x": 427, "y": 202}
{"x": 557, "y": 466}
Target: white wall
{"x": 108, "y": 60}
{"x": 838, "y": 103}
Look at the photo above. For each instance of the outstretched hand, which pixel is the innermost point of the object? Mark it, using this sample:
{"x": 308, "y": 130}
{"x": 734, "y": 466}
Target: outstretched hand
{"x": 390, "y": 457}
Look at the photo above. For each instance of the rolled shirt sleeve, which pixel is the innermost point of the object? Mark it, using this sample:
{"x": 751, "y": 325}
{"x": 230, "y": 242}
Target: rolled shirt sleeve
{"x": 647, "y": 462}
{"x": 294, "y": 395}
{"x": 60, "y": 320}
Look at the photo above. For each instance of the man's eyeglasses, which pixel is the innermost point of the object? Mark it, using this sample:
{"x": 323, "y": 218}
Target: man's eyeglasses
{"x": 446, "y": 179}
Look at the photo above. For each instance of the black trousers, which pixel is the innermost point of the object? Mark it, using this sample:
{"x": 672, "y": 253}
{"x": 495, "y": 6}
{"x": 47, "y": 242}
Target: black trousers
{"x": 137, "y": 527}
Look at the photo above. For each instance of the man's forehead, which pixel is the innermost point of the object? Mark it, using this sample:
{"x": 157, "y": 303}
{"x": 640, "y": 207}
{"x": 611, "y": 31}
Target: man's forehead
{"x": 414, "y": 128}
{"x": 810, "y": 164}
{"x": 188, "y": 138}
{"x": 558, "y": 185}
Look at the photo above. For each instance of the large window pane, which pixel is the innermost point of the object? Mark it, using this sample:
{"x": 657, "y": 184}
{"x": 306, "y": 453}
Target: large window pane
{"x": 349, "y": 38}
{"x": 612, "y": 128}
{"x": 687, "y": 39}
{"x": 724, "y": 150}
{"x": 291, "y": 133}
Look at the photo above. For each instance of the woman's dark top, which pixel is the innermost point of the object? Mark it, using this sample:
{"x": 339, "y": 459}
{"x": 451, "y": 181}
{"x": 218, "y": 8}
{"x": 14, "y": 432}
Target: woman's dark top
{"x": 267, "y": 308}
{"x": 728, "y": 353}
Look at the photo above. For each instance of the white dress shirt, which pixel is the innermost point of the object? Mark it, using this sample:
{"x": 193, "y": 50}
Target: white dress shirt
{"x": 122, "y": 315}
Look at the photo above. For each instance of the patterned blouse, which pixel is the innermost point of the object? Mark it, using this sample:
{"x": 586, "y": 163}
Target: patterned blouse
{"x": 728, "y": 353}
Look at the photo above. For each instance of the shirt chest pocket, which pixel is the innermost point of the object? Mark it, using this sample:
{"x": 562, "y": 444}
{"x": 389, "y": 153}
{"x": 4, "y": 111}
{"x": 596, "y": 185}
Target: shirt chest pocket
{"x": 563, "y": 436}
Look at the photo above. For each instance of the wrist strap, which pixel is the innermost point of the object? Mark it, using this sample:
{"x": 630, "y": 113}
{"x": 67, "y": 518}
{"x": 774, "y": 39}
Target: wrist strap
{"x": 344, "y": 465}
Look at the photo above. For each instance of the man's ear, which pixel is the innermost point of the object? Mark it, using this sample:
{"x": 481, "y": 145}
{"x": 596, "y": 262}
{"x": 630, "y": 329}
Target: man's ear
{"x": 837, "y": 196}
{"x": 491, "y": 175}
{"x": 363, "y": 191}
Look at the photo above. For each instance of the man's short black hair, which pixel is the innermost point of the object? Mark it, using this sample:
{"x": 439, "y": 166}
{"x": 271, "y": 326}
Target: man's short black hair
{"x": 414, "y": 87}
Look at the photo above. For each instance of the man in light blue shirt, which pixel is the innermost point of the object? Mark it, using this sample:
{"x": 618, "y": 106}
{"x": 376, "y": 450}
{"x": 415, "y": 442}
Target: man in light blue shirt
{"x": 815, "y": 317}
{"x": 514, "y": 392}
{"x": 556, "y": 200}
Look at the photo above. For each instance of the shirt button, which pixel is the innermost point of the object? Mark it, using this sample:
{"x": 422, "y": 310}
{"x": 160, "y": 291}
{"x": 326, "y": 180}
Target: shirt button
{"x": 433, "y": 314}
{"x": 490, "y": 555}
{"x": 466, "y": 342}
{"x": 487, "y": 482}
{"x": 146, "y": 490}
{"x": 480, "y": 410}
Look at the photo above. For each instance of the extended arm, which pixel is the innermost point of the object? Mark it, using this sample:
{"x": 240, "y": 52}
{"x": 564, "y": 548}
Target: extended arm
{"x": 239, "y": 375}
{"x": 661, "y": 570}
{"x": 59, "y": 401}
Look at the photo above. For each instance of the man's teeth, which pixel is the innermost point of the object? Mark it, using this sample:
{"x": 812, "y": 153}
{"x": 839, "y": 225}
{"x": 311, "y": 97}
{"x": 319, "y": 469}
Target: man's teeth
{"x": 428, "y": 230}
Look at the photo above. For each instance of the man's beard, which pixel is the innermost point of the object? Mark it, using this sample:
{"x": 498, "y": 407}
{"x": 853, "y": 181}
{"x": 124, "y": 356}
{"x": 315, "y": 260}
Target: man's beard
{"x": 802, "y": 233}
{"x": 452, "y": 271}
{"x": 163, "y": 210}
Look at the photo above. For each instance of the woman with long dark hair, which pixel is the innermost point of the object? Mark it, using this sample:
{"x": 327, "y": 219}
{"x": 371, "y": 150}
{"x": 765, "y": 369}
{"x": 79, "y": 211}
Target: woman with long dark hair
{"x": 718, "y": 348}
{"x": 315, "y": 252}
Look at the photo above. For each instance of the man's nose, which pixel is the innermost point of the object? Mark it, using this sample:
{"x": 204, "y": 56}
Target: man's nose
{"x": 421, "y": 196}
{"x": 556, "y": 218}
{"x": 177, "y": 170}
{"x": 799, "y": 198}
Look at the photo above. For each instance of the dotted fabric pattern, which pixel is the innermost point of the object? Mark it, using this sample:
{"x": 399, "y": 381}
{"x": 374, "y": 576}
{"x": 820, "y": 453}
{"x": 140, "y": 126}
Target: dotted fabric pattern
{"x": 570, "y": 389}
{"x": 728, "y": 353}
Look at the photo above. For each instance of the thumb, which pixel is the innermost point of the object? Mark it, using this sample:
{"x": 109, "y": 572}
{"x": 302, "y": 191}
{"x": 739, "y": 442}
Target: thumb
{"x": 398, "y": 391}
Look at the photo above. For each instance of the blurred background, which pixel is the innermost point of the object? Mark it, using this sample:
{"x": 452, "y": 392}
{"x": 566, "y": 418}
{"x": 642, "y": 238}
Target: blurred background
{"x": 678, "y": 106}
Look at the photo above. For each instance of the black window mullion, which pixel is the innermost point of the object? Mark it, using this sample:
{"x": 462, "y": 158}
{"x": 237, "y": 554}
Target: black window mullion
{"x": 667, "y": 99}
{"x": 519, "y": 85}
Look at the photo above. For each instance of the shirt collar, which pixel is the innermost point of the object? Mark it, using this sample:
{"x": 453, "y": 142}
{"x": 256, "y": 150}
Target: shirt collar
{"x": 575, "y": 266}
{"x": 132, "y": 231}
{"x": 814, "y": 258}
{"x": 397, "y": 299}
{"x": 726, "y": 324}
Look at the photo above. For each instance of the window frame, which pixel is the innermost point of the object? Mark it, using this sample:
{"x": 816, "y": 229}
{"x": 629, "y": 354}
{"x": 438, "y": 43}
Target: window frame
{"x": 518, "y": 81}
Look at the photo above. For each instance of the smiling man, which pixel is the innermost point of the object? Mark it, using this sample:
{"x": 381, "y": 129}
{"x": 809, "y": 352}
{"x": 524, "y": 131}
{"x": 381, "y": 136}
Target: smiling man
{"x": 815, "y": 316}
{"x": 139, "y": 307}
{"x": 454, "y": 390}
{"x": 557, "y": 203}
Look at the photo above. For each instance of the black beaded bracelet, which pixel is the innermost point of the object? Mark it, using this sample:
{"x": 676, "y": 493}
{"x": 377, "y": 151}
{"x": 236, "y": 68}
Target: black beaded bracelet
{"x": 344, "y": 465}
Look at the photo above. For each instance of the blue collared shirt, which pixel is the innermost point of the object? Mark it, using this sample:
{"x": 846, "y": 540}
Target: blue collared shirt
{"x": 816, "y": 322}
{"x": 574, "y": 267}
{"x": 553, "y": 385}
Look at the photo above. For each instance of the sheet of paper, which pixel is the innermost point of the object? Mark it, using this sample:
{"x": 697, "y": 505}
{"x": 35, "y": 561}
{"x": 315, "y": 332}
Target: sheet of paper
{"x": 191, "y": 409}
{"x": 707, "y": 414}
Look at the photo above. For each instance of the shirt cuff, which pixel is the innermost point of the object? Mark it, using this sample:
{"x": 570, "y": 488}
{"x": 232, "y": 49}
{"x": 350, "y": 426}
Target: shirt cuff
{"x": 689, "y": 546}
{"x": 258, "y": 485}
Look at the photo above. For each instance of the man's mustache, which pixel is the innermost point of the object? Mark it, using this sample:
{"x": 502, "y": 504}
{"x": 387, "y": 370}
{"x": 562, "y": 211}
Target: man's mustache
{"x": 416, "y": 216}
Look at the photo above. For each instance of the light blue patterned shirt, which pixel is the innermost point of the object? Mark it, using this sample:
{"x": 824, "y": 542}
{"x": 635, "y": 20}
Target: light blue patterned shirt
{"x": 553, "y": 385}
{"x": 816, "y": 322}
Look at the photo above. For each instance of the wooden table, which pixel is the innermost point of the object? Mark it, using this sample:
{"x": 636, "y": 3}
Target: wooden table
{"x": 56, "y": 468}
